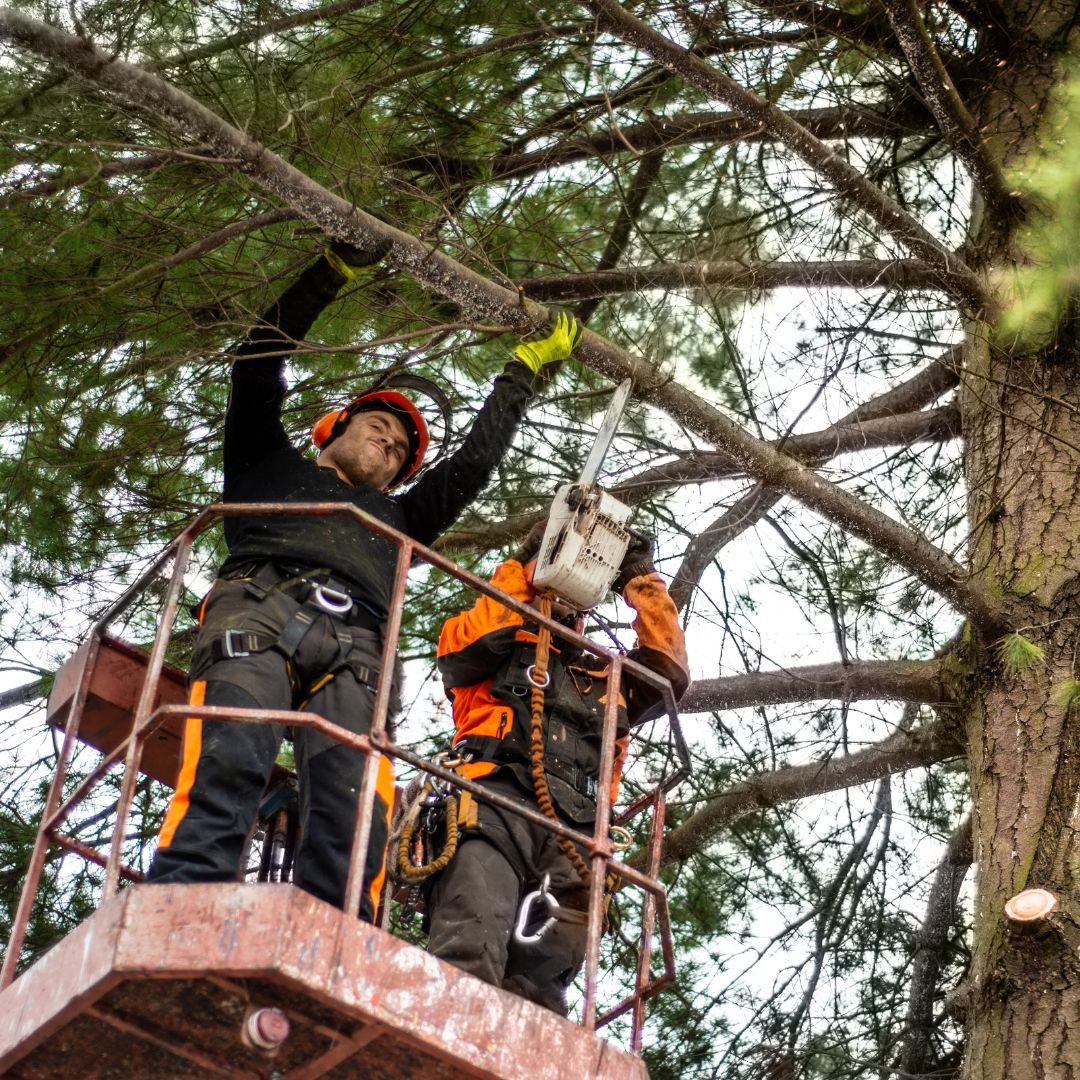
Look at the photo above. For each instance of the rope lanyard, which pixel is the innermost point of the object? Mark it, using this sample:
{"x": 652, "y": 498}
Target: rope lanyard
{"x": 540, "y": 679}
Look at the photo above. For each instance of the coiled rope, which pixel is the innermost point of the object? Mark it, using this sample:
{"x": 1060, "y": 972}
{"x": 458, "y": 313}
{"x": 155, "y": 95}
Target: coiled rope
{"x": 408, "y": 872}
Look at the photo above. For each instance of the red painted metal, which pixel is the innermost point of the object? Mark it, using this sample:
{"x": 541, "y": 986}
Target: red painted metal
{"x": 115, "y": 679}
{"x": 156, "y": 711}
{"x": 176, "y": 968}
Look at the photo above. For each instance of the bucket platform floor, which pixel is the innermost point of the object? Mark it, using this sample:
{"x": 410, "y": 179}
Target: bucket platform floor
{"x": 157, "y": 984}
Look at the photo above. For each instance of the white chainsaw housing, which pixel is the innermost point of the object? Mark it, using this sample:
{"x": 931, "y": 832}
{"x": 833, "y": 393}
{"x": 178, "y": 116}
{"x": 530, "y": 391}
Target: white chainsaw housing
{"x": 583, "y": 546}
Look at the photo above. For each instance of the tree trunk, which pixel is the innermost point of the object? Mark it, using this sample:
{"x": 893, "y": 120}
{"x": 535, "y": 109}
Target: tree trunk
{"x": 1022, "y": 437}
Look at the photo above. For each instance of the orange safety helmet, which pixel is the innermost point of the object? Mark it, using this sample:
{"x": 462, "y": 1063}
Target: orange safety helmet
{"x": 327, "y": 428}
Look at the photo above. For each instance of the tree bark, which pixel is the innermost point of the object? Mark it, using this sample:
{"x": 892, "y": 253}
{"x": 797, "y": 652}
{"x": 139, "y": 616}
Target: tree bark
{"x": 1022, "y": 458}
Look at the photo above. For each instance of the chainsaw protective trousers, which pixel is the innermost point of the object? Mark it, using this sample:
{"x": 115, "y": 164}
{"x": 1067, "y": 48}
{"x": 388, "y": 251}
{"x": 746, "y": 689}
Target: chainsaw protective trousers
{"x": 226, "y": 764}
{"x": 473, "y": 906}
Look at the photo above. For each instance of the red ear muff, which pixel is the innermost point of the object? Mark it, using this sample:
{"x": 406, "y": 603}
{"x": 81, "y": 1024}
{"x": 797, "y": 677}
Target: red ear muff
{"x": 323, "y": 430}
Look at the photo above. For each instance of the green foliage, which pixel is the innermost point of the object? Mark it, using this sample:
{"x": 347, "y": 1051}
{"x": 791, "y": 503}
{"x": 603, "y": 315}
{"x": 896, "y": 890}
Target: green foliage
{"x": 1019, "y": 655}
{"x": 528, "y": 142}
{"x": 1042, "y": 292}
{"x": 1066, "y": 695}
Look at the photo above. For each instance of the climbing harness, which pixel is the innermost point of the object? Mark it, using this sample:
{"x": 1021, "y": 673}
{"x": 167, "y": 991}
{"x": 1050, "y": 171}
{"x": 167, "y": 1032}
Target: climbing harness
{"x": 540, "y": 678}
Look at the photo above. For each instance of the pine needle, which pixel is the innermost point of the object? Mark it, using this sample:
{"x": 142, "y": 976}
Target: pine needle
{"x": 1018, "y": 654}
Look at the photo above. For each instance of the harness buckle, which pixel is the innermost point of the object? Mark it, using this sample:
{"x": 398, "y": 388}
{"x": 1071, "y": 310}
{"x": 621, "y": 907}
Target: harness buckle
{"x": 332, "y": 601}
{"x": 231, "y": 650}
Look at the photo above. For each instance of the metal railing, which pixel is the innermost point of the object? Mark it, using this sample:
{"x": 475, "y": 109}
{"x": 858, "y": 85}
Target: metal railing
{"x": 146, "y": 720}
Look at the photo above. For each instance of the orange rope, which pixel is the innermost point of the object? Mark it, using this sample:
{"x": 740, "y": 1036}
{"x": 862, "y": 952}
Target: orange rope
{"x": 543, "y": 795}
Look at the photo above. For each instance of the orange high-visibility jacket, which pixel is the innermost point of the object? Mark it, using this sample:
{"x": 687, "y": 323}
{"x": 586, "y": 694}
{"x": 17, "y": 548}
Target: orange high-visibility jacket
{"x": 483, "y": 656}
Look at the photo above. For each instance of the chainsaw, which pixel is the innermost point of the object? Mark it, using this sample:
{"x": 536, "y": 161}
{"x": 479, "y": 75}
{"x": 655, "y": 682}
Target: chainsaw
{"x": 586, "y": 535}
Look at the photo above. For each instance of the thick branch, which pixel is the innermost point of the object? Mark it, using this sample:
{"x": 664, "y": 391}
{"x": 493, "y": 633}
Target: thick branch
{"x": 915, "y": 1056}
{"x": 866, "y": 680}
{"x": 901, "y": 751}
{"x": 945, "y": 103}
{"x": 848, "y": 181}
{"x": 23, "y": 695}
{"x": 728, "y": 274}
{"x": 486, "y": 300}
{"x": 937, "y": 425}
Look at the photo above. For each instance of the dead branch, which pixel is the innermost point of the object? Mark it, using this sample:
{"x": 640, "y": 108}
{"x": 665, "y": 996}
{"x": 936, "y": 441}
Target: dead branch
{"x": 945, "y": 103}
{"x": 915, "y": 1055}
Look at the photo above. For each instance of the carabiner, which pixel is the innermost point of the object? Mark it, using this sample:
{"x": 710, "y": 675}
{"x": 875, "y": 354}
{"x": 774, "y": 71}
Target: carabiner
{"x": 525, "y": 913}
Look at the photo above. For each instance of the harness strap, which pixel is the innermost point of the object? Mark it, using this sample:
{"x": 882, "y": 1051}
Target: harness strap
{"x": 490, "y": 748}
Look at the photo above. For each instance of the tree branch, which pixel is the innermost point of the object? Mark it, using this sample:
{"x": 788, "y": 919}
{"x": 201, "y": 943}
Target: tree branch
{"x": 899, "y": 680}
{"x": 23, "y": 695}
{"x": 58, "y": 318}
{"x": 848, "y": 181}
{"x": 103, "y": 171}
{"x": 659, "y": 132}
{"x": 945, "y": 103}
{"x": 728, "y": 274}
{"x": 899, "y": 752}
{"x": 254, "y": 33}
{"x": 933, "y": 936}
{"x": 698, "y": 468}
{"x": 488, "y": 301}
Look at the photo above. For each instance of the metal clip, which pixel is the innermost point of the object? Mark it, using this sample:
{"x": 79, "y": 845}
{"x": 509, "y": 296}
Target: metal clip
{"x": 530, "y": 674}
{"x": 554, "y": 911}
{"x": 332, "y": 601}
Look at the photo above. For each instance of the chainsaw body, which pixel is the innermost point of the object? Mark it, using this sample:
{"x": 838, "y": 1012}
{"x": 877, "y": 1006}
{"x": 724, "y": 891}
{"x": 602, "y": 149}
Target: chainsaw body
{"x": 583, "y": 545}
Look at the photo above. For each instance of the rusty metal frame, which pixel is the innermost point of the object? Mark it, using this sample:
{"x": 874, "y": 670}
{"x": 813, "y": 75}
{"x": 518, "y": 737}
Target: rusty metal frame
{"x": 375, "y": 745}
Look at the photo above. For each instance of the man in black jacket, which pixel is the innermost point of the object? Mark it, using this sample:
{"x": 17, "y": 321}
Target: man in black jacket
{"x": 294, "y": 620}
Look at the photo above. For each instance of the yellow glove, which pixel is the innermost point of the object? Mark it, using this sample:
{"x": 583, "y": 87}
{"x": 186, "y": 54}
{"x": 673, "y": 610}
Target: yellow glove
{"x": 348, "y": 261}
{"x": 558, "y": 345}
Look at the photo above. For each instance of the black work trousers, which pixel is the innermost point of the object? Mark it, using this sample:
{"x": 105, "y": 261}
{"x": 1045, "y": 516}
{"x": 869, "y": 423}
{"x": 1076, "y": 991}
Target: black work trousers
{"x": 473, "y": 905}
{"x": 226, "y": 764}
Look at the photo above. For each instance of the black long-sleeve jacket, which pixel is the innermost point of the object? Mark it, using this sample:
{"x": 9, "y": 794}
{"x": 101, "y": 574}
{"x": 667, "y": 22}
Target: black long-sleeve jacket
{"x": 262, "y": 465}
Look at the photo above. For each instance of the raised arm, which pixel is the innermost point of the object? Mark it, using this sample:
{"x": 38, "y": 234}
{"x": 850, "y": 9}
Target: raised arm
{"x": 661, "y": 645}
{"x": 437, "y": 500}
{"x": 473, "y": 645}
{"x": 253, "y": 425}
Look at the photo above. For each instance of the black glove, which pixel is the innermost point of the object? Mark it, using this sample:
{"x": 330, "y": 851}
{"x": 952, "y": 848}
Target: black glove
{"x": 638, "y": 559}
{"x": 530, "y": 546}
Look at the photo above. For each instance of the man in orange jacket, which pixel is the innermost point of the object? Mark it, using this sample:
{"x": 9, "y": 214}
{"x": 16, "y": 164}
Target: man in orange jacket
{"x": 484, "y": 655}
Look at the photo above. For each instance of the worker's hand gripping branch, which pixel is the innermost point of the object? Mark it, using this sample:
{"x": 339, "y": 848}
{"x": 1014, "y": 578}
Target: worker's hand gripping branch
{"x": 558, "y": 345}
{"x": 351, "y": 261}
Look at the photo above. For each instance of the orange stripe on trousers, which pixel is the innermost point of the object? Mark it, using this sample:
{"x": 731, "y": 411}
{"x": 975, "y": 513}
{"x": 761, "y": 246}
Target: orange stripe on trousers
{"x": 192, "y": 750}
{"x": 384, "y": 788}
